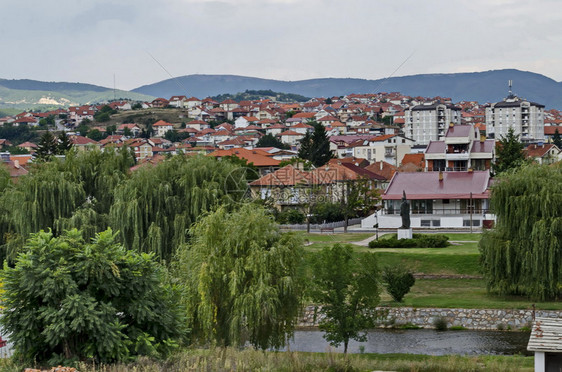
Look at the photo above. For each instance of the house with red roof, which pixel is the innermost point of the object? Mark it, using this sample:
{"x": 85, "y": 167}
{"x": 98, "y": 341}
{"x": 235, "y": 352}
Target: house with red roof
{"x": 197, "y": 125}
{"x": 437, "y": 200}
{"x": 29, "y": 146}
{"x": 177, "y": 101}
{"x": 291, "y": 187}
{"x": 4, "y": 143}
{"x": 543, "y": 153}
{"x": 388, "y": 147}
{"x": 244, "y": 121}
{"x": 262, "y": 160}
{"x": 82, "y": 143}
{"x": 160, "y": 103}
{"x": 161, "y": 127}
{"x": 290, "y": 137}
{"x": 133, "y": 128}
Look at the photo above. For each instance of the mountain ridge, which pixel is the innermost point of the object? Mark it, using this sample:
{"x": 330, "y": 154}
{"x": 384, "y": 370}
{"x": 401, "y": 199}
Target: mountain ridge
{"x": 484, "y": 86}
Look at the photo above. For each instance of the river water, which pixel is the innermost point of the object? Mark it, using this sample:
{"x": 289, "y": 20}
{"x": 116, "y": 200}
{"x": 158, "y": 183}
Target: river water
{"x": 421, "y": 341}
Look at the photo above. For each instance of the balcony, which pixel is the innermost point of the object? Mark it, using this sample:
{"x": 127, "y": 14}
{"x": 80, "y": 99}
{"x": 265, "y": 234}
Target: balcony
{"x": 457, "y": 156}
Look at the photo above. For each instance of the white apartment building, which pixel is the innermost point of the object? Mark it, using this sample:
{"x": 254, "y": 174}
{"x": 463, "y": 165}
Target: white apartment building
{"x": 429, "y": 121}
{"x": 526, "y": 118}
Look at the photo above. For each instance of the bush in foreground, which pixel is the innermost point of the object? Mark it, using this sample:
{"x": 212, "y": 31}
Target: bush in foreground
{"x": 66, "y": 300}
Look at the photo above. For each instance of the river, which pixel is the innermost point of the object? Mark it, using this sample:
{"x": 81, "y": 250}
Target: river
{"x": 421, "y": 341}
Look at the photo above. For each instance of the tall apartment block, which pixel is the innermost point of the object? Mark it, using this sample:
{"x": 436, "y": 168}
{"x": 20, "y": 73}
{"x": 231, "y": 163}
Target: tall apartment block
{"x": 526, "y": 118}
{"x": 430, "y": 121}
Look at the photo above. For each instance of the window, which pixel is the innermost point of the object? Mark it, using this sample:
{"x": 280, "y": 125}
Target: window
{"x": 425, "y": 223}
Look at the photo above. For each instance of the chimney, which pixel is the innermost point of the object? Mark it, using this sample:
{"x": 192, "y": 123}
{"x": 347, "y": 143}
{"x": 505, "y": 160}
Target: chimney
{"x": 380, "y": 165}
{"x": 17, "y": 164}
{"x": 440, "y": 176}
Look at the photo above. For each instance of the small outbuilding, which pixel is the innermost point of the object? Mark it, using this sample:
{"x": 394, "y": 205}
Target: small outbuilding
{"x": 546, "y": 343}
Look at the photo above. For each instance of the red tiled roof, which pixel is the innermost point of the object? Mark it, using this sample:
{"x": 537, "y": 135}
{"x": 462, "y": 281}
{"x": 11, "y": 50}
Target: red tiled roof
{"x": 537, "y": 151}
{"x": 161, "y": 123}
{"x": 383, "y": 169}
{"x": 416, "y": 159}
{"x": 549, "y": 130}
{"x": 258, "y": 157}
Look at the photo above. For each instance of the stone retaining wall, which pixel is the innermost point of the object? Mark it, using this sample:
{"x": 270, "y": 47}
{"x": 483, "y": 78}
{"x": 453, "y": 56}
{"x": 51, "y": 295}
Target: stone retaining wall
{"x": 490, "y": 319}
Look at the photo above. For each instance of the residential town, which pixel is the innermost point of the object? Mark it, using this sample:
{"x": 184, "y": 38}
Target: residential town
{"x": 439, "y": 152}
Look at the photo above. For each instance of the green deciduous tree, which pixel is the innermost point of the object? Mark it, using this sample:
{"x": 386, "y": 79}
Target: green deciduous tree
{"x": 155, "y": 208}
{"x": 242, "y": 280}
{"x": 67, "y": 300}
{"x": 347, "y": 290}
{"x": 509, "y": 152}
{"x": 523, "y": 253}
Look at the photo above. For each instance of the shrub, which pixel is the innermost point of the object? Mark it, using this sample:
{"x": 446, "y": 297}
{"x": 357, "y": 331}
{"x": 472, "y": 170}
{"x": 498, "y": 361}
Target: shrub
{"x": 433, "y": 241}
{"x": 398, "y": 281}
{"x": 440, "y": 323}
{"x": 418, "y": 241}
{"x": 67, "y": 300}
{"x": 291, "y": 216}
{"x": 327, "y": 212}
{"x": 457, "y": 328}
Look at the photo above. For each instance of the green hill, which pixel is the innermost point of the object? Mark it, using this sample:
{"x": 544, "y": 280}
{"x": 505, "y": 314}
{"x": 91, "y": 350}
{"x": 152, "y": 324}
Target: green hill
{"x": 27, "y": 94}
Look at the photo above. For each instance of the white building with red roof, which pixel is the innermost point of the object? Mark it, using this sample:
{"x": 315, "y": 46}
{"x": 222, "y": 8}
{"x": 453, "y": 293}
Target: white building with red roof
{"x": 161, "y": 127}
{"x": 437, "y": 200}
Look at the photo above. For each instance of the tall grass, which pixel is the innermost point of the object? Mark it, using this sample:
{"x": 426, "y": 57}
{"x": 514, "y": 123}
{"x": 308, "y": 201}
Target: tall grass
{"x": 251, "y": 360}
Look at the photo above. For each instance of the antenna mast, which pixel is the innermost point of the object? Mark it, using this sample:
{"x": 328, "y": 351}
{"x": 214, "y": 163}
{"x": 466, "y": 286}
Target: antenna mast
{"x": 509, "y": 84}
{"x": 114, "y": 86}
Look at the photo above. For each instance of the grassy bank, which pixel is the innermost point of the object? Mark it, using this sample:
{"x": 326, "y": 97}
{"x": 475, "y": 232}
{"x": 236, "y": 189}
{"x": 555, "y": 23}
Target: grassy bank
{"x": 461, "y": 258}
{"x": 251, "y": 360}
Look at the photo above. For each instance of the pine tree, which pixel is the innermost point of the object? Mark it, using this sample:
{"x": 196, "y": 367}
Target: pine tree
{"x": 557, "y": 139}
{"x": 509, "y": 152}
{"x": 305, "y": 146}
{"x": 64, "y": 144}
{"x": 315, "y": 147}
{"x": 47, "y": 146}
{"x": 320, "y": 152}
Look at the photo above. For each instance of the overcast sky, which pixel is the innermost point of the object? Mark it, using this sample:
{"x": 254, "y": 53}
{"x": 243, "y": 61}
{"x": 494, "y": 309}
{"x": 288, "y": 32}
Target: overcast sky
{"x": 91, "y": 41}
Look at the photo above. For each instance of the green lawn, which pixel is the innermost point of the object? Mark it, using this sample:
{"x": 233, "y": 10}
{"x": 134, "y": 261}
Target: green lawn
{"x": 335, "y": 238}
{"x": 458, "y": 259}
{"x": 463, "y": 293}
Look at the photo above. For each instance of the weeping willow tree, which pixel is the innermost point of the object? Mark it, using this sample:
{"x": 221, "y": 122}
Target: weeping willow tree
{"x": 99, "y": 173}
{"x": 4, "y": 213}
{"x": 523, "y": 253}
{"x": 155, "y": 208}
{"x": 76, "y": 192}
{"x": 241, "y": 279}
